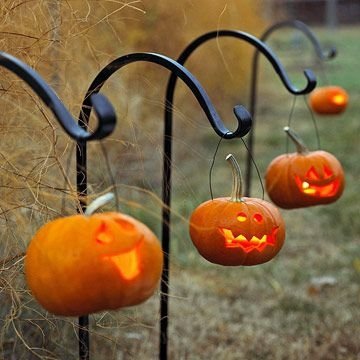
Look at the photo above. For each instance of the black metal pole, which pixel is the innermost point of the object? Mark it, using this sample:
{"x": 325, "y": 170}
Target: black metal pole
{"x": 321, "y": 54}
{"x": 169, "y": 99}
{"x": 168, "y": 116}
{"x": 107, "y": 121}
{"x": 244, "y": 125}
{"x": 260, "y": 47}
{"x": 84, "y": 338}
{"x": 81, "y": 187}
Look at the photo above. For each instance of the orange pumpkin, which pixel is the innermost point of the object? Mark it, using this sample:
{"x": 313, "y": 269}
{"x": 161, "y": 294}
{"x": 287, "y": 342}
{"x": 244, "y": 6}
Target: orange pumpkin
{"x": 304, "y": 178}
{"x": 329, "y": 100}
{"x": 237, "y": 230}
{"x": 82, "y": 264}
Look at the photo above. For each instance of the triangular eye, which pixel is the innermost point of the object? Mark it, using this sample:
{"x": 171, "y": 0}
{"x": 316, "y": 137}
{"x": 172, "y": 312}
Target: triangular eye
{"x": 328, "y": 172}
{"x": 103, "y": 235}
{"x": 312, "y": 174}
{"x": 125, "y": 225}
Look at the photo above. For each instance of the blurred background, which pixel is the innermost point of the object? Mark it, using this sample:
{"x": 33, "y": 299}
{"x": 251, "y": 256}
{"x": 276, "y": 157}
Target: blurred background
{"x": 304, "y": 304}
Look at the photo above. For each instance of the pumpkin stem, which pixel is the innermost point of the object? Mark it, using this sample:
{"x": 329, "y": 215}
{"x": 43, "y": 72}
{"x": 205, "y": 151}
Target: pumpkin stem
{"x": 300, "y": 146}
{"x": 237, "y": 179}
{"x": 98, "y": 203}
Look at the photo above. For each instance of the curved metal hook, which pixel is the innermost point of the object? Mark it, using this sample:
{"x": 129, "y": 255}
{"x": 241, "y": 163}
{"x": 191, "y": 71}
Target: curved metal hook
{"x": 104, "y": 110}
{"x": 320, "y": 52}
{"x": 323, "y": 55}
{"x": 106, "y": 124}
{"x": 259, "y": 45}
{"x": 242, "y": 116}
{"x": 177, "y": 70}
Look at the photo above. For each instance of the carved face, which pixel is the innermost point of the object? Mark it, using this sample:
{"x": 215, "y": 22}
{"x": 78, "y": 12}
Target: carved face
{"x": 249, "y": 232}
{"x": 126, "y": 260}
{"x": 255, "y": 242}
{"x": 313, "y": 184}
{"x": 301, "y": 180}
{"x": 328, "y": 100}
{"x": 83, "y": 264}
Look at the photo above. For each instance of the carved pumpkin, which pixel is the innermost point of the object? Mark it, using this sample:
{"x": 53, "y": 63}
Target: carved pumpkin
{"x": 82, "y": 264}
{"x": 329, "y": 100}
{"x": 237, "y": 230}
{"x": 304, "y": 178}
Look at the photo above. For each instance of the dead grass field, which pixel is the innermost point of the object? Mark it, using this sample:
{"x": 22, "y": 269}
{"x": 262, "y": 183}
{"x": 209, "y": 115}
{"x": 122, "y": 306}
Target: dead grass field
{"x": 302, "y": 305}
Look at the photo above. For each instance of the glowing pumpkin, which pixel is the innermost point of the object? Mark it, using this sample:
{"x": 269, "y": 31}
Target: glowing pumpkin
{"x": 304, "y": 178}
{"x": 329, "y": 100}
{"x": 82, "y": 264}
{"x": 237, "y": 230}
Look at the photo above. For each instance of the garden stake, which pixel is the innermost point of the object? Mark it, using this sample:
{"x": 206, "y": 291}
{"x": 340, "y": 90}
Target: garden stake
{"x": 260, "y": 47}
{"x": 244, "y": 125}
{"x": 169, "y": 99}
{"x": 106, "y": 124}
{"x": 321, "y": 54}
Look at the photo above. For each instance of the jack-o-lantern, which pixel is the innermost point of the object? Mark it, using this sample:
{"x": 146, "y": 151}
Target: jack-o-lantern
{"x": 304, "y": 178}
{"x": 82, "y": 264}
{"x": 237, "y": 230}
{"x": 328, "y": 100}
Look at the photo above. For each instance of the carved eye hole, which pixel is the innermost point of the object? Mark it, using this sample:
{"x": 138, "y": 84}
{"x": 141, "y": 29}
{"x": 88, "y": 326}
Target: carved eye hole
{"x": 241, "y": 217}
{"x": 103, "y": 235}
{"x": 125, "y": 225}
{"x": 312, "y": 174}
{"x": 258, "y": 218}
{"x": 328, "y": 172}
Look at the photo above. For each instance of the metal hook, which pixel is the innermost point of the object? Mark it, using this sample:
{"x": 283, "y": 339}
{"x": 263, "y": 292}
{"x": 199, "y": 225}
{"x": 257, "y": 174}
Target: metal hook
{"x": 242, "y": 115}
{"x": 299, "y": 25}
{"x": 259, "y": 45}
{"x": 323, "y": 55}
{"x": 106, "y": 124}
{"x": 177, "y": 70}
{"x": 104, "y": 110}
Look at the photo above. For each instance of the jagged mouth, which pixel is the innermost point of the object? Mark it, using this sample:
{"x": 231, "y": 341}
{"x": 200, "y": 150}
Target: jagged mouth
{"x": 247, "y": 245}
{"x": 317, "y": 190}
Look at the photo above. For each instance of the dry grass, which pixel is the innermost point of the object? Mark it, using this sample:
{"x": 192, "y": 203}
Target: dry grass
{"x": 274, "y": 311}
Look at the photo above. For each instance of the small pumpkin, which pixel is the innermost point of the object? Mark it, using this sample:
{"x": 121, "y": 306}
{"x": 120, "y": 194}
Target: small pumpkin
{"x": 328, "y": 100}
{"x": 304, "y": 178}
{"x": 82, "y": 264}
{"x": 237, "y": 230}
